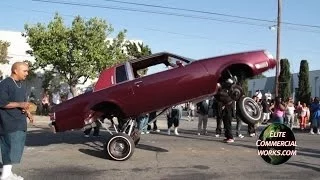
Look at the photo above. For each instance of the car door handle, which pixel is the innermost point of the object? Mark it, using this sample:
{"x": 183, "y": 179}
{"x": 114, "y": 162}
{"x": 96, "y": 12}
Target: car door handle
{"x": 137, "y": 83}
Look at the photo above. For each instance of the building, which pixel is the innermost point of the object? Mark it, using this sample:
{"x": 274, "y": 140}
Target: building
{"x": 267, "y": 84}
{"x": 17, "y": 52}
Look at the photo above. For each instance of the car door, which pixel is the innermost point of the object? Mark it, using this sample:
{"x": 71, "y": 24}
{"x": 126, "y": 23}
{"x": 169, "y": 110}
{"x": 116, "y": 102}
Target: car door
{"x": 169, "y": 87}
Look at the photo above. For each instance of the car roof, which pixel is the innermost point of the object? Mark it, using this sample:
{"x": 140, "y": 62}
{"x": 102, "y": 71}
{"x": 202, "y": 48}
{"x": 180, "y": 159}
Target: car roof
{"x": 156, "y": 58}
{"x": 160, "y": 55}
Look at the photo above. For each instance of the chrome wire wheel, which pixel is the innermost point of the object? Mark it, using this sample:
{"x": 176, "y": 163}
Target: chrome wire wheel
{"x": 120, "y": 147}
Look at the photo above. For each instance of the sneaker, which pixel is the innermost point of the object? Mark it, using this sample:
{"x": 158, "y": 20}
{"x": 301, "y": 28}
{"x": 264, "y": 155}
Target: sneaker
{"x": 252, "y": 134}
{"x": 228, "y": 140}
{"x": 96, "y": 135}
{"x": 158, "y": 130}
{"x": 148, "y": 132}
{"x": 311, "y": 132}
{"x": 198, "y": 134}
{"x": 176, "y": 131}
{"x": 86, "y": 135}
{"x": 17, "y": 177}
{"x": 13, "y": 177}
{"x": 169, "y": 131}
{"x": 217, "y": 135}
{"x": 240, "y": 136}
{"x": 143, "y": 133}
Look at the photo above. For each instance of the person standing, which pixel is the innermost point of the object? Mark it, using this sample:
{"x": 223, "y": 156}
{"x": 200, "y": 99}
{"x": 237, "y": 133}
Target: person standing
{"x": 191, "y": 111}
{"x": 142, "y": 122}
{"x": 266, "y": 111}
{"x": 56, "y": 98}
{"x": 217, "y": 107}
{"x": 202, "y": 110}
{"x": 152, "y": 116}
{"x": 226, "y": 113}
{"x": 304, "y": 116}
{"x": 173, "y": 119}
{"x": 289, "y": 113}
{"x": 278, "y": 110}
{"x": 315, "y": 109}
{"x": 13, "y": 118}
{"x": 45, "y": 103}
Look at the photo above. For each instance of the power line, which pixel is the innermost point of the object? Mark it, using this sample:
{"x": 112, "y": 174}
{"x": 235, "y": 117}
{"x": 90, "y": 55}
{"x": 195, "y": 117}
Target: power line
{"x": 152, "y": 12}
{"x": 145, "y": 28}
{"x": 168, "y": 32}
{"x": 211, "y": 13}
{"x": 190, "y": 10}
{"x": 185, "y": 15}
{"x": 152, "y": 29}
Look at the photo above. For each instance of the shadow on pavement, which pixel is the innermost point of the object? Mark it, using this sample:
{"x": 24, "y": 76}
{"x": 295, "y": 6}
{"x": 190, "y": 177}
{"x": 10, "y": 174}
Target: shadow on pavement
{"x": 316, "y": 151}
{"x": 100, "y": 153}
{"x": 95, "y": 153}
{"x": 150, "y": 148}
{"x": 43, "y": 137}
{"x": 308, "y": 154}
{"x": 192, "y": 134}
{"x": 304, "y": 165}
{"x": 191, "y": 176}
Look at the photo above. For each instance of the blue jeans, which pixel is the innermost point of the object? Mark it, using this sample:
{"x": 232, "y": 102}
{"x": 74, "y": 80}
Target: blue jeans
{"x": 12, "y": 146}
{"x": 316, "y": 122}
{"x": 142, "y": 124}
{"x": 278, "y": 120}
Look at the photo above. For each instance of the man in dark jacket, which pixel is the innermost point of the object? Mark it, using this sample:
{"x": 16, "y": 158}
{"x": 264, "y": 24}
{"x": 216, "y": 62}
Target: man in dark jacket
{"x": 217, "y": 107}
{"x": 227, "y": 112}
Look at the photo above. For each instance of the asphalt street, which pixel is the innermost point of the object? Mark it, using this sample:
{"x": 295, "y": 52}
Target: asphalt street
{"x": 69, "y": 155}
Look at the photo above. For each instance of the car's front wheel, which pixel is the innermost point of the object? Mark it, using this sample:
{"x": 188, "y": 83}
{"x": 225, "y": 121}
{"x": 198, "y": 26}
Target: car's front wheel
{"x": 249, "y": 111}
{"x": 120, "y": 147}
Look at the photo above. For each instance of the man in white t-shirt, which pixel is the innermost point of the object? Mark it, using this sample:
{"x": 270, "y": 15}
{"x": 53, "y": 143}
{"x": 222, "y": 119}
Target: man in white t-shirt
{"x": 56, "y": 99}
{"x": 259, "y": 94}
{"x": 268, "y": 95}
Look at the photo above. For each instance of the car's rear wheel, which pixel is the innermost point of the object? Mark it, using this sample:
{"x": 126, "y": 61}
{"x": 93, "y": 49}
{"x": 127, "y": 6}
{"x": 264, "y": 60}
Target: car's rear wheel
{"x": 119, "y": 147}
{"x": 249, "y": 111}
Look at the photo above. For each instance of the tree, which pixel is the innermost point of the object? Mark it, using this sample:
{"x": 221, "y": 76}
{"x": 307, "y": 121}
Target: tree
{"x": 76, "y": 53}
{"x": 3, "y": 53}
{"x": 304, "y": 92}
{"x": 138, "y": 50}
{"x": 284, "y": 79}
{"x": 32, "y": 74}
{"x": 245, "y": 87}
{"x": 47, "y": 79}
{"x": 244, "y": 82}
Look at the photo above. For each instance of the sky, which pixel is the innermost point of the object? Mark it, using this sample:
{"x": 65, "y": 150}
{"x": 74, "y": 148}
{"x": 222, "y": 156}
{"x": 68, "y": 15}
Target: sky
{"x": 196, "y": 38}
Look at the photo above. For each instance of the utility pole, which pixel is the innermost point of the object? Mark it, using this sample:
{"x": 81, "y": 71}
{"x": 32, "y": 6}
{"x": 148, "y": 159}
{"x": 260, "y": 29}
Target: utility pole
{"x": 278, "y": 49}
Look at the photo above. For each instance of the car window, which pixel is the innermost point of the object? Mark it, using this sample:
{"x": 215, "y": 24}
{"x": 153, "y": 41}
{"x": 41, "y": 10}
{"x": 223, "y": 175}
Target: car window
{"x": 121, "y": 74}
{"x": 156, "y": 69}
{"x": 174, "y": 61}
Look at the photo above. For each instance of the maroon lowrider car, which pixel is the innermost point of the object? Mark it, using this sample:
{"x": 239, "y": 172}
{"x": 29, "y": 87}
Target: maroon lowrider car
{"x": 120, "y": 92}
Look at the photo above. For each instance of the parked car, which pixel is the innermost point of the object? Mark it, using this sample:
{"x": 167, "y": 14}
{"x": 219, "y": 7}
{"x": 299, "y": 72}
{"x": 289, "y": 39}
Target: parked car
{"x": 121, "y": 92}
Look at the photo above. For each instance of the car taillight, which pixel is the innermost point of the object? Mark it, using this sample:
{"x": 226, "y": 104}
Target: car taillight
{"x": 268, "y": 54}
